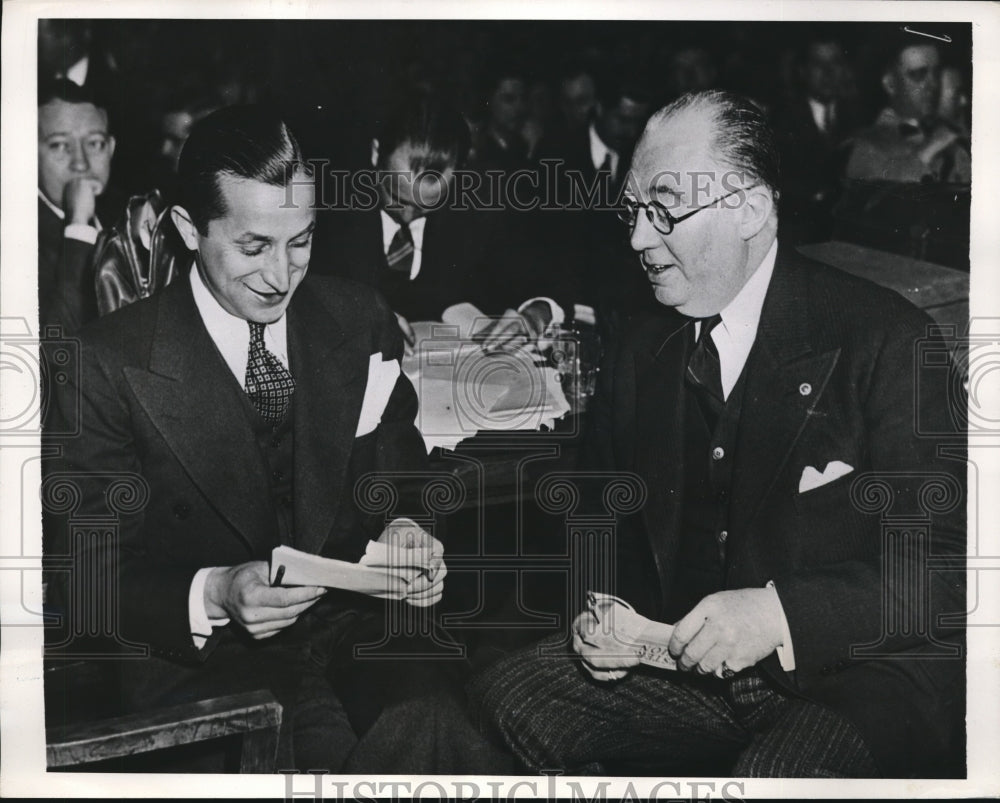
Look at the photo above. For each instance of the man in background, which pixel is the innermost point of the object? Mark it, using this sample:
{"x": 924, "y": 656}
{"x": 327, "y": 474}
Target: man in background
{"x": 908, "y": 142}
{"x": 75, "y": 148}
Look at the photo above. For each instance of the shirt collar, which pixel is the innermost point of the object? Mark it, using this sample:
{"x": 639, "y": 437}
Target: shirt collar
{"x": 598, "y": 150}
{"x": 390, "y": 226}
{"x": 231, "y": 334}
{"x": 741, "y": 316}
{"x": 55, "y": 209}
{"x": 78, "y": 72}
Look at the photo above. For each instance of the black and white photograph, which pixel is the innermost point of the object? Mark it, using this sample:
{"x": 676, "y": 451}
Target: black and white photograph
{"x": 484, "y": 402}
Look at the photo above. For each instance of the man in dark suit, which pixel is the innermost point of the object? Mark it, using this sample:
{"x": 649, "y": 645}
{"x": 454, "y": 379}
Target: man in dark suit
{"x": 74, "y": 164}
{"x": 811, "y": 130}
{"x": 426, "y": 244}
{"x": 582, "y": 173}
{"x": 752, "y": 407}
{"x": 241, "y": 404}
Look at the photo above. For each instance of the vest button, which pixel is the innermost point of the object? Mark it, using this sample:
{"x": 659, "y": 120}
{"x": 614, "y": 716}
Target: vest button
{"x": 718, "y": 453}
{"x": 723, "y": 536}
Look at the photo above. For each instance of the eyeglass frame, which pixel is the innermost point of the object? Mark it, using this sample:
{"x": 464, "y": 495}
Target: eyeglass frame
{"x": 670, "y": 219}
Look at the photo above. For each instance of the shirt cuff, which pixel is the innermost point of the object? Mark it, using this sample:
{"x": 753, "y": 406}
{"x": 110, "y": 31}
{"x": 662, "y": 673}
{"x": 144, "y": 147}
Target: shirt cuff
{"x": 201, "y": 624}
{"x": 786, "y": 655}
{"x": 82, "y": 232}
{"x": 558, "y": 316}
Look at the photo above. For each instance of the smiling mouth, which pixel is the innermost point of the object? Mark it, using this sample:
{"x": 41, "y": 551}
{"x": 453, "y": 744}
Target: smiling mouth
{"x": 655, "y": 270}
{"x": 269, "y": 295}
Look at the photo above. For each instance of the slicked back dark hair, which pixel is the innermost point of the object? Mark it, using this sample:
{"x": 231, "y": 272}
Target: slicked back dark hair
{"x": 432, "y": 126}
{"x": 250, "y": 142}
{"x": 742, "y": 139}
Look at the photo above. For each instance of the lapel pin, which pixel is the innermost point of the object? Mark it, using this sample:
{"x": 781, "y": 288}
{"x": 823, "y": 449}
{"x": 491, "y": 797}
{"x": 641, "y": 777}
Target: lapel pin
{"x": 805, "y": 388}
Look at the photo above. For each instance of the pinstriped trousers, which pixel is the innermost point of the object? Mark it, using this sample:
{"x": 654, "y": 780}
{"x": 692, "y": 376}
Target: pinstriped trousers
{"x": 554, "y": 716}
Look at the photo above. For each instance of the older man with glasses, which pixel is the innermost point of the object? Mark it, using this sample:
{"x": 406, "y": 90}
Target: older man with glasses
{"x": 764, "y": 624}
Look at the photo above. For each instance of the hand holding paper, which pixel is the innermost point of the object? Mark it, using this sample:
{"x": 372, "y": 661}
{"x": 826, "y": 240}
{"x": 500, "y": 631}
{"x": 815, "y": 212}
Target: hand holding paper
{"x": 410, "y": 547}
{"x": 611, "y": 637}
{"x": 405, "y": 563}
{"x": 243, "y": 594}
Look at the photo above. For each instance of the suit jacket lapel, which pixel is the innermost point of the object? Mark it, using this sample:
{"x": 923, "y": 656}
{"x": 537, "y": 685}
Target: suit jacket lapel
{"x": 330, "y": 371}
{"x": 660, "y": 439}
{"x": 785, "y": 379}
{"x": 194, "y": 402}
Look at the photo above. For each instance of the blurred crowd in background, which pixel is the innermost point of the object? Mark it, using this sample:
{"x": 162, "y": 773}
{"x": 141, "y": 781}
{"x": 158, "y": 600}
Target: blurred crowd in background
{"x": 873, "y": 120}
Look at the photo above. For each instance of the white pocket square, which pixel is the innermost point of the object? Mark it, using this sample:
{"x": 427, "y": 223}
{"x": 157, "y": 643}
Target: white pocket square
{"x": 382, "y": 376}
{"x": 811, "y": 478}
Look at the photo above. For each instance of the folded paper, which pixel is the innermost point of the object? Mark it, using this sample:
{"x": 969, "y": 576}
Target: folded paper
{"x": 645, "y": 638}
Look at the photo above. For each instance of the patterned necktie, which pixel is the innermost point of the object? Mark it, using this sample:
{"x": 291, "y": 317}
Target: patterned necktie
{"x": 704, "y": 368}
{"x": 268, "y": 383}
{"x": 400, "y": 256}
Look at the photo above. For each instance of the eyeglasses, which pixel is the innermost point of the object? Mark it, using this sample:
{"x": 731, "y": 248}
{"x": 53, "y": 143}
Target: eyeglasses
{"x": 659, "y": 215}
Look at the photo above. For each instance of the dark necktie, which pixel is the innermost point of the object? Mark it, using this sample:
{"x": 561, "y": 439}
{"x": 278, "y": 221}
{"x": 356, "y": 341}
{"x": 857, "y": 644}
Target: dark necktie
{"x": 400, "y": 256}
{"x": 268, "y": 383}
{"x": 704, "y": 368}
{"x": 606, "y": 166}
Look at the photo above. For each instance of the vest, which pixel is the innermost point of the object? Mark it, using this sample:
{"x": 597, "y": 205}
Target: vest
{"x": 700, "y": 561}
{"x": 276, "y": 448}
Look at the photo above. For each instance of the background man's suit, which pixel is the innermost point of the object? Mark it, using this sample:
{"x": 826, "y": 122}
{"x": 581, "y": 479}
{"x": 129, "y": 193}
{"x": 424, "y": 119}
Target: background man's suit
{"x": 484, "y": 257}
{"x": 159, "y": 401}
{"x": 66, "y": 294}
{"x": 830, "y": 377}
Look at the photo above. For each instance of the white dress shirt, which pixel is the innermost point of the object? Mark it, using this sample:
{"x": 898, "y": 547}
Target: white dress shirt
{"x": 733, "y": 338}
{"x": 417, "y": 225}
{"x": 231, "y": 336}
{"x": 389, "y": 229}
{"x": 599, "y": 151}
{"x": 823, "y": 114}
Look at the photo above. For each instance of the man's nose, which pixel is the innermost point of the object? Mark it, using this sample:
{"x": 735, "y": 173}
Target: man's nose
{"x": 643, "y": 234}
{"x": 78, "y": 161}
{"x": 277, "y": 272}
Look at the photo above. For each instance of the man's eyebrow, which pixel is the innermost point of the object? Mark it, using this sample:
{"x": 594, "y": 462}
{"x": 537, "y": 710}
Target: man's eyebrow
{"x": 664, "y": 189}
{"x": 307, "y": 230}
{"x": 253, "y": 237}
{"x": 91, "y": 133}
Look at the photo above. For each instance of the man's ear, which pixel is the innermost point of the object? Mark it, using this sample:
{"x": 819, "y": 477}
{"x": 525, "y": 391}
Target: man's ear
{"x": 374, "y": 153}
{"x": 185, "y": 226}
{"x": 889, "y": 84}
{"x": 111, "y": 146}
{"x": 758, "y": 204}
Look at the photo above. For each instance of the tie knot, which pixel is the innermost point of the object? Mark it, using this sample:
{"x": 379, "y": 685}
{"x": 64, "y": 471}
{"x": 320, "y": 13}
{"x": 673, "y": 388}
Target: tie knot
{"x": 257, "y": 332}
{"x": 707, "y": 325}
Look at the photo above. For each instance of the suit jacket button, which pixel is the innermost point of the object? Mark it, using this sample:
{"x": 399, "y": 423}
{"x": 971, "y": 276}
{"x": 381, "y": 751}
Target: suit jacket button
{"x": 182, "y": 510}
{"x": 718, "y": 453}
{"x": 723, "y": 536}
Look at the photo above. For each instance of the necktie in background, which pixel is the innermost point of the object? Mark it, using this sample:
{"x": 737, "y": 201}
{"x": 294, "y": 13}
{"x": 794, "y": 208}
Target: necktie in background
{"x": 704, "y": 368}
{"x": 400, "y": 256}
{"x": 268, "y": 383}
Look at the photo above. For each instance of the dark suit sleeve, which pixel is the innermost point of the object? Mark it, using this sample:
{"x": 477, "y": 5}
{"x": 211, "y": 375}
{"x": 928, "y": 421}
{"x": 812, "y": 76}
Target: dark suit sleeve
{"x": 72, "y": 301}
{"x": 833, "y": 607}
{"x": 97, "y": 474}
